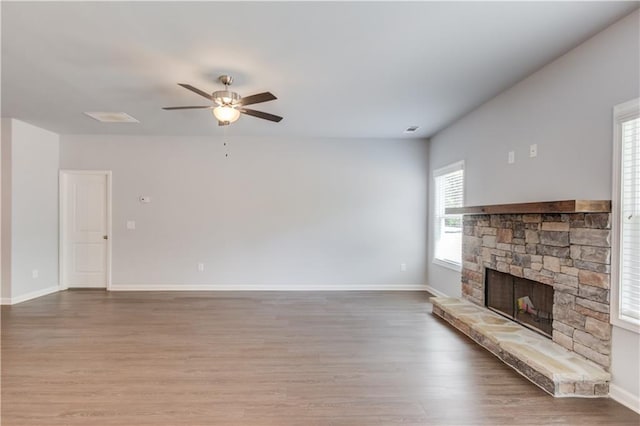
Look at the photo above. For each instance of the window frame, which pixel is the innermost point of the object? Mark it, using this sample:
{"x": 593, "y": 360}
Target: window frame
{"x": 450, "y": 168}
{"x": 621, "y": 112}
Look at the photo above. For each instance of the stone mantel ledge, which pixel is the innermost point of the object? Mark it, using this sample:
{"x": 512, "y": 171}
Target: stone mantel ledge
{"x": 565, "y": 206}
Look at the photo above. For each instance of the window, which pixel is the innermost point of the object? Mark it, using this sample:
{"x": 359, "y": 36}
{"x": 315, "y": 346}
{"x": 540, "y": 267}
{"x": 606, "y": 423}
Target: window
{"x": 449, "y": 192}
{"x": 625, "y": 286}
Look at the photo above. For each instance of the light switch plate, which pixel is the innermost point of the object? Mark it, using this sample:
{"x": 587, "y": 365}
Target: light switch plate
{"x": 512, "y": 157}
{"x": 533, "y": 150}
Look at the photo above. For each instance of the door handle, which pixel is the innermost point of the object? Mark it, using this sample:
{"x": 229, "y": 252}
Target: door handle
{"x": 105, "y": 237}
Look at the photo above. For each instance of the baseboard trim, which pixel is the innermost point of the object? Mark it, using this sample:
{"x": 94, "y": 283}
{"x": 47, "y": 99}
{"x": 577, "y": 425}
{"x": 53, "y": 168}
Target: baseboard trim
{"x": 29, "y": 296}
{"x": 624, "y": 397}
{"x": 435, "y": 292}
{"x": 256, "y": 287}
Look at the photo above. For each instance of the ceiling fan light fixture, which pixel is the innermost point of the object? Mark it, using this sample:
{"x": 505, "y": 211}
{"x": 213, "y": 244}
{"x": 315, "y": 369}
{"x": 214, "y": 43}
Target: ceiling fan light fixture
{"x": 227, "y": 105}
{"x": 226, "y": 114}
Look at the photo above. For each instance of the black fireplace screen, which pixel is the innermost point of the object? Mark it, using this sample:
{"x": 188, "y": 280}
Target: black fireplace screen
{"x": 527, "y": 302}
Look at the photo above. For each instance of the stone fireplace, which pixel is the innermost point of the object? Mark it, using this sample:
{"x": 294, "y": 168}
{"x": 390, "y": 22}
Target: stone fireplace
{"x": 542, "y": 266}
{"x": 570, "y": 252}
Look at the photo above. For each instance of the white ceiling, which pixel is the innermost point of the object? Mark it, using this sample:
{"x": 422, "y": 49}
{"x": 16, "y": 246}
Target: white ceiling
{"x": 355, "y": 69}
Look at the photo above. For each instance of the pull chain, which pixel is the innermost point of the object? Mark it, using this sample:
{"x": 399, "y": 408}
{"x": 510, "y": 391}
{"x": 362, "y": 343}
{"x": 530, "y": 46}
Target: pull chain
{"x": 225, "y": 142}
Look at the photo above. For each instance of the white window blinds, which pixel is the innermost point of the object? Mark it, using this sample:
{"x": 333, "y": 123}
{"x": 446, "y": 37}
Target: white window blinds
{"x": 625, "y": 272}
{"x": 449, "y": 192}
{"x": 630, "y": 220}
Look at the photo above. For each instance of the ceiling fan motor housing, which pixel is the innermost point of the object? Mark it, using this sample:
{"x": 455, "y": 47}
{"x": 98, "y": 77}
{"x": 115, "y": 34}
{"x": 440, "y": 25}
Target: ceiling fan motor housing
{"x": 225, "y": 97}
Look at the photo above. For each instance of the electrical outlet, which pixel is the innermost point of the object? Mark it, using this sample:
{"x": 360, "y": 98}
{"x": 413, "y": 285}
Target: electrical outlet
{"x": 403, "y": 267}
{"x": 512, "y": 157}
{"x": 200, "y": 267}
{"x": 131, "y": 224}
{"x": 35, "y": 273}
{"x": 533, "y": 150}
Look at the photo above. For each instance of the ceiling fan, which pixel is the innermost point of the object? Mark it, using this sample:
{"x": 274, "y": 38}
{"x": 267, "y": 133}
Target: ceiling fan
{"x": 229, "y": 105}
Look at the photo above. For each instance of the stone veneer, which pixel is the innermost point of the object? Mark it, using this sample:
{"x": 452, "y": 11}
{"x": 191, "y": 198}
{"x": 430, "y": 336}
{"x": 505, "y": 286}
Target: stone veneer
{"x": 571, "y": 252}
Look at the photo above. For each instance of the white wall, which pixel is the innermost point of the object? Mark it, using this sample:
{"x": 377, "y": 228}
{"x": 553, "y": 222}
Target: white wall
{"x": 5, "y": 210}
{"x": 33, "y": 201}
{"x": 565, "y": 108}
{"x": 293, "y": 213}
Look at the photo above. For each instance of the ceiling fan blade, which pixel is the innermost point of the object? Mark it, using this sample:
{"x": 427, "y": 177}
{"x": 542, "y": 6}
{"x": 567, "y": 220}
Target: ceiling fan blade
{"x": 186, "y": 107}
{"x": 260, "y": 114}
{"x": 258, "y": 98}
{"x": 196, "y": 90}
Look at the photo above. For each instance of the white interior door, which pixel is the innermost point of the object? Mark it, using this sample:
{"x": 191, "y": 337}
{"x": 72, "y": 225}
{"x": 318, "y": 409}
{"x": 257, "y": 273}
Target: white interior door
{"x": 85, "y": 225}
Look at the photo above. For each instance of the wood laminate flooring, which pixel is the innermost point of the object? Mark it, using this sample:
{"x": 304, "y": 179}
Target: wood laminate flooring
{"x": 261, "y": 359}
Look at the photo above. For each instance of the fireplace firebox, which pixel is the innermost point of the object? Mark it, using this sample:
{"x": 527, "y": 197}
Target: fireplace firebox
{"x": 527, "y": 302}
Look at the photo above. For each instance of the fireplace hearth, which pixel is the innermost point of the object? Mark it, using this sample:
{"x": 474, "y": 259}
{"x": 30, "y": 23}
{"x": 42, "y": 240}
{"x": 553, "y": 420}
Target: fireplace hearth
{"x": 527, "y": 302}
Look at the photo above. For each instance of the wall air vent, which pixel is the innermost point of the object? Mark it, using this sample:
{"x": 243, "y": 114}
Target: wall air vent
{"x": 112, "y": 117}
{"x": 411, "y": 129}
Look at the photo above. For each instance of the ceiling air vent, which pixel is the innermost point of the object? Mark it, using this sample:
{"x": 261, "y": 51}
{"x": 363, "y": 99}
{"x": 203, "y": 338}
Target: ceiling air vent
{"x": 411, "y": 129}
{"x": 112, "y": 117}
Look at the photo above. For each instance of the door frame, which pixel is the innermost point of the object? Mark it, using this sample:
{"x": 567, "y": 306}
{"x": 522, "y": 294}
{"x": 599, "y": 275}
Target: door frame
{"x": 62, "y": 222}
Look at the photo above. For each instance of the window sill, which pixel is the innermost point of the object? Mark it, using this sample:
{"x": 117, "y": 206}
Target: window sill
{"x": 448, "y": 264}
{"x": 630, "y": 325}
